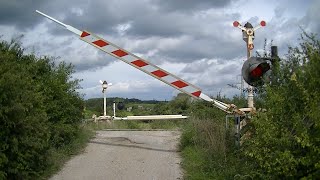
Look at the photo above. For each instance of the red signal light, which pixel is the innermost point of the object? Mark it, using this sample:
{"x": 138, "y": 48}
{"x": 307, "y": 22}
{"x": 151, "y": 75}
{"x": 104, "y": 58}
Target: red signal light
{"x": 236, "y": 23}
{"x": 257, "y": 72}
{"x": 254, "y": 69}
{"x": 263, "y": 23}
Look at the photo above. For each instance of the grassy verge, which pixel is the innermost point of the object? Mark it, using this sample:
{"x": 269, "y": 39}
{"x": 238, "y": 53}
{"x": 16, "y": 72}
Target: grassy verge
{"x": 207, "y": 150}
{"x": 58, "y": 157}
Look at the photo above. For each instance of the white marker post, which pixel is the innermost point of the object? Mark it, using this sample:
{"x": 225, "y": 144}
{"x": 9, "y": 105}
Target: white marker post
{"x": 114, "y": 109}
{"x": 105, "y": 86}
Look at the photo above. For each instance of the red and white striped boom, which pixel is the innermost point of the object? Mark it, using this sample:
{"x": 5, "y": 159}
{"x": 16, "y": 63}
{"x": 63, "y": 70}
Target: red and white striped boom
{"x": 145, "y": 66}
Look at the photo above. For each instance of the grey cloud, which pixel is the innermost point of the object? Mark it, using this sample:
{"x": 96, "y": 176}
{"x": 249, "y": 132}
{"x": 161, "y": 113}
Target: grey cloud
{"x": 22, "y": 15}
{"x": 85, "y": 60}
{"x": 204, "y": 48}
{"x": 312, "y": 18}
{"x": 286, "y": 31}
{"x": 283, "y": 33}
{"x": 19, "y": 13}
{"x": 187, "y": 5}
{"x": 196, "y": 67}
{"x": 216, "y": 67}
{"x": 101, "y": 17}
{"x": 159, "y": 25}
{"x": 230, "y": 69}
{"x": 213, "y": 75}
{"x": 279, "y": 11}
{"x": 91, "y": 64}
{"x": 71, "y": 50}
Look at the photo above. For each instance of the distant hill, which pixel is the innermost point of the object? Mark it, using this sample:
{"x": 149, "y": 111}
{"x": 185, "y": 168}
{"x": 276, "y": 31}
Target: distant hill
{"x": 95, "y": 105}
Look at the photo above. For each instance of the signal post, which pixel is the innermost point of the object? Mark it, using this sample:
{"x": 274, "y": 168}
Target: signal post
{"x": 248, "y": 36}
{"x": 252, "y": 71}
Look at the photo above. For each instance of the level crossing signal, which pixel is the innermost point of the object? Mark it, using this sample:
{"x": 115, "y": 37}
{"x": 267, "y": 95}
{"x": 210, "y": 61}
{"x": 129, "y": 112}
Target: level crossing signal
{"x": 254, "y": 69}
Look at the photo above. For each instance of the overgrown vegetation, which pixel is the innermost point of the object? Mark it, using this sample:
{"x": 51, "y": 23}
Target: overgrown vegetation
{"x": 284, "y": 142}
{"x": 40, "y": 113}
{"x": 207, "y": 145}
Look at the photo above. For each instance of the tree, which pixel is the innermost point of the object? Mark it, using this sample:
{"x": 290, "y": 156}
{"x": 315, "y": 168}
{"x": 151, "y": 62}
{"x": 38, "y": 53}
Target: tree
{"x": 39, "y": 111}
{"x": 24, "y": 133}
{"x": 286, "y": 142}
{"x": 64, "y": 105}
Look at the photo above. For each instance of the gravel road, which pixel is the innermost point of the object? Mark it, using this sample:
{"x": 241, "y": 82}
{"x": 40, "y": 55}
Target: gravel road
{"x": 128, "y": 155}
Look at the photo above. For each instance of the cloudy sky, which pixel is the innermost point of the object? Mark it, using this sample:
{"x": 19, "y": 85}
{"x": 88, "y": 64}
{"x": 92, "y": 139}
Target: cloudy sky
{"x": 193, "y": 39}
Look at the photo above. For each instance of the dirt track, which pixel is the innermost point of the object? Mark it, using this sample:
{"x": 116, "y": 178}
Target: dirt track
{"x": 127, "y": 155}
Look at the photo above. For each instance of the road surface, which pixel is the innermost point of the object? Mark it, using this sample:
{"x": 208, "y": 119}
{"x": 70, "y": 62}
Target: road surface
{"x": 127, "y": 155}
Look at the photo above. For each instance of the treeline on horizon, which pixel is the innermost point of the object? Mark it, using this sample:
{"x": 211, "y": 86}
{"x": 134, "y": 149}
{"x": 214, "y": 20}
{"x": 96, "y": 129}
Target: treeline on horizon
{"x": 110, "y": 100}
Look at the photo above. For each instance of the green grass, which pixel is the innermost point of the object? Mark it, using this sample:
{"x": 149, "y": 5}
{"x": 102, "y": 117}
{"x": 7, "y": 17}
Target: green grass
{"x": 144, "y": 105}
{"x": 208, "y": 151}
{"x": 88, "y": 113}
{"x": 58, "y": 157}
{"x": 193, "y": 163}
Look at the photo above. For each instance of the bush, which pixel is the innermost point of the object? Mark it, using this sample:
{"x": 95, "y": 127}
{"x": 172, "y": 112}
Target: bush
{"x": 39, "y": 111}
{"x": 208, "y": 149}
{"x": 286, "y": 141}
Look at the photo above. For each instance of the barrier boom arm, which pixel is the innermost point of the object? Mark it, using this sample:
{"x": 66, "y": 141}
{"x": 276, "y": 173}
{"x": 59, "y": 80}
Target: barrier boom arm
{"x": 145, "y": 66}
